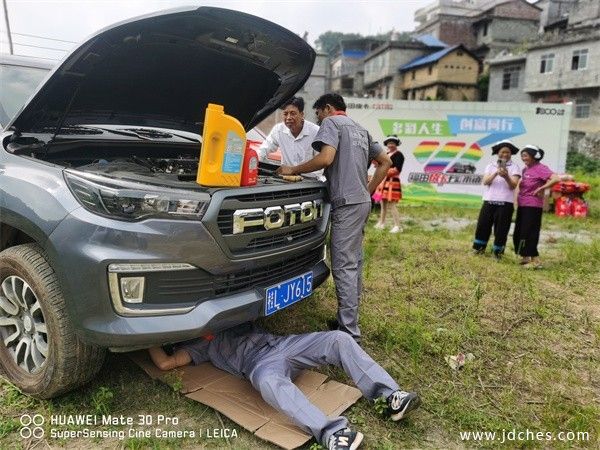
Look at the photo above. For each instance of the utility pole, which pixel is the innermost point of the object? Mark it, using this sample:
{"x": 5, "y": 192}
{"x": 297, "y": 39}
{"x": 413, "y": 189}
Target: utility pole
{"x": 10, "y": 45}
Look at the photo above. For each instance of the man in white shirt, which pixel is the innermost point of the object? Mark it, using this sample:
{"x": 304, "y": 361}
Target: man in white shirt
{"x": 294, "y": 136}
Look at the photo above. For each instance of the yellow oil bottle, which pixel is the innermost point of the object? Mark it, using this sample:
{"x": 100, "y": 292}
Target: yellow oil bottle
{"x": 223, "y": 145}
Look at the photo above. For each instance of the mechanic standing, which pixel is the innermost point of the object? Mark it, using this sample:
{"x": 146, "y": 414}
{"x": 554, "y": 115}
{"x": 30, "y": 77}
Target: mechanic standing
{"x": 345, "y": 151}
{"x": 293, "y": 136}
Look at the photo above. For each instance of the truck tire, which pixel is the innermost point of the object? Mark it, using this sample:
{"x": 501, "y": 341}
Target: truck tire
{"x": 39, "y": 350}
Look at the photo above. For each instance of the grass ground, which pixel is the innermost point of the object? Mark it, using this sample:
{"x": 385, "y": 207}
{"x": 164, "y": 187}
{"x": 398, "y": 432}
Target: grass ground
{"x": 535, "y": 336}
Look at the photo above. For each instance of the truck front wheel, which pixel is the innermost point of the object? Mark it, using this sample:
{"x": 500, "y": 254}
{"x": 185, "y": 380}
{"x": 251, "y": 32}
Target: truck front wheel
{"x": 39, "y": 350}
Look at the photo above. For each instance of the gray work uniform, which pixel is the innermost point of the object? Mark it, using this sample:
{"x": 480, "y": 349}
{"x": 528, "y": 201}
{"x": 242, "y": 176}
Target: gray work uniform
{"x": 271, "y": 362}
{"x": 351, "y": 205}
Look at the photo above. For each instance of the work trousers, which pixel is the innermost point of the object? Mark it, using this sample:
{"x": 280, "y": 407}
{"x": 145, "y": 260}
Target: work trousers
{"x": 273, "y": 369}
{"x": 527, "y": 230}
{"x": 347, "y": 233}
{"x": 496, "y": 215}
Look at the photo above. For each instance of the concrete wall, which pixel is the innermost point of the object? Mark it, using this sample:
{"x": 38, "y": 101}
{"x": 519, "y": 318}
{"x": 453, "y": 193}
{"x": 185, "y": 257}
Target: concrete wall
{"x": 584, "y": 10}
{"x": 585, "y": 125}
{"x": 456, "y": 30}
{"x": 513, "y": 94}
{"x": 387, "y": 63}
{"x": 562, "y": 77}
{"x": 519, "y": 9}
{"x": 507, "y": 30}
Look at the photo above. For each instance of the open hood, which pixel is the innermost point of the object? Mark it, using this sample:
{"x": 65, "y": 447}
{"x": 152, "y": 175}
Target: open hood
{"x": 161, "y": 70}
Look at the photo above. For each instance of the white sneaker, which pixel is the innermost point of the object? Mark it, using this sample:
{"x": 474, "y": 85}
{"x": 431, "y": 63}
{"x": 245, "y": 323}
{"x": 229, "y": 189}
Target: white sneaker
{"x": 379, "y": 226}
{"x": 396, "y": 229}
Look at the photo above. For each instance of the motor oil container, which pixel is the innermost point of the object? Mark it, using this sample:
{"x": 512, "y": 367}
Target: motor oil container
{"x": 223, "y": 145}
{"x": 249, "y": 166}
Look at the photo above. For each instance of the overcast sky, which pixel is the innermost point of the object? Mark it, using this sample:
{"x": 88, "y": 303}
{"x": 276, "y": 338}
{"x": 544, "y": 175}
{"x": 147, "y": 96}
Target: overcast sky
{"x": 74, "y": 20}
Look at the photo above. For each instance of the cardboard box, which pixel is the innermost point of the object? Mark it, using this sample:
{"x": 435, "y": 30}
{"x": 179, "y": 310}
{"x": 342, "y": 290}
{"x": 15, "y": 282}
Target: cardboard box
{"x": 237, "y": 399}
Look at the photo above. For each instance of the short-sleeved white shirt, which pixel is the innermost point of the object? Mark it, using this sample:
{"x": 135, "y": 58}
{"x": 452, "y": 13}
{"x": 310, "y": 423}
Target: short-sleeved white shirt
{"x": 294, "y": 150}
{"x": 499, "y": 191}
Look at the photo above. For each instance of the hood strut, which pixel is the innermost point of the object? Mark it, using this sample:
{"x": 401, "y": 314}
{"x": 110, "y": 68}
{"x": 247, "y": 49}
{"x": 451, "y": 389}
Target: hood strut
{"x": 63, "y": 117}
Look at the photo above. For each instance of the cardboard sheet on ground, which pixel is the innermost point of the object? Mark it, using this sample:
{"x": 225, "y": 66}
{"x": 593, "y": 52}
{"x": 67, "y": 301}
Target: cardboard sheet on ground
{"x": 238, "y": 400}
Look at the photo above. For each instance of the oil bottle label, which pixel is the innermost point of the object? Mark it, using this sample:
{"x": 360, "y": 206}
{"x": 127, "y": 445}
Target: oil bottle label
{"x": 234, "y": 152}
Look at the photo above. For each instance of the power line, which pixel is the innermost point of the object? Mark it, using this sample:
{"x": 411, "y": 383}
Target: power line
{"x": 38, "y": 57}
{"x": 39, "y": 46}
{"x": 42, "y": 37}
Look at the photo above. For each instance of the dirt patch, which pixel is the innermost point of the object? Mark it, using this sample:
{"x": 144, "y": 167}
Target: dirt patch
{"x": 446, "y": 223}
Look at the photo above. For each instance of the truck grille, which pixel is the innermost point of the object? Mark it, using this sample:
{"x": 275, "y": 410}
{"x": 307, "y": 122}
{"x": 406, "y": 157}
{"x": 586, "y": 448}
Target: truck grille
{"x": 192, "y": 286}
{"x": 280, "y": 195}
{"x": 257, "y": 239}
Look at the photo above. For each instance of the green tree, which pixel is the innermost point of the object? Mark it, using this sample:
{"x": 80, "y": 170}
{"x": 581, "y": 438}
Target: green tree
{"x": 483, "y": 84}
{"x": 328, "y": 41}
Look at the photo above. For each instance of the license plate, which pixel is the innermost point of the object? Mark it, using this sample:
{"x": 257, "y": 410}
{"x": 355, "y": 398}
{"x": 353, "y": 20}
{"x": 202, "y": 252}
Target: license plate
{"x": 288, "y": 292}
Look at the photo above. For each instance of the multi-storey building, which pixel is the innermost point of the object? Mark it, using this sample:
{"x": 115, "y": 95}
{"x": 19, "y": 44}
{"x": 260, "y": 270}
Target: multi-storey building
{"x": 448, "y": 74}
{"x": 507, "y": 78}
{"x": 346, "y": 64}
{"x": 381, "y": 76}
{"x": 484, "y": 26}
{"x": 564, "y": 68}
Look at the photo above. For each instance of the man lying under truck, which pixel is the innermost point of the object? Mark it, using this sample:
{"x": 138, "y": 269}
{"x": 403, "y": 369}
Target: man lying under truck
{"x": 271, "y": 362}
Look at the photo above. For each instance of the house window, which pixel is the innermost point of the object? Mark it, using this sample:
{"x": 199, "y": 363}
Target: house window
{"x": 459, "y": 53}
{"x": 582, "y": 109}
{"x": 484, "y": 31}
{"x": 510, "y": 78}
{"x": 413, "y": 74}
{"x": 429, "y": 70}
{"x": 547, "y": 62}
{"x": 579, "y": 59}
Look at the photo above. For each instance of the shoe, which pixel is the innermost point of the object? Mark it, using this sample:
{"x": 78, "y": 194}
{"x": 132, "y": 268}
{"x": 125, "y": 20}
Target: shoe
{"x": 396, "y": 229}
{"x": 478, "y": 251}
{"x": 535, "y": 265}
{"x": 333, "y": 324}
{"x": 379, "y": 226}
{"x": 401, "y": 403}
{"x": 497, "y": 255}
{"x": 345, "y": 439}
{"x": 525, "y": 260}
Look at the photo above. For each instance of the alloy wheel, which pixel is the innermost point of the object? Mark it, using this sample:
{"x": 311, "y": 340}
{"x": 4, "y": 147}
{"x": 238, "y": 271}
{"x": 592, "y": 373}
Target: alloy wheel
{"x": 22, "y": 325}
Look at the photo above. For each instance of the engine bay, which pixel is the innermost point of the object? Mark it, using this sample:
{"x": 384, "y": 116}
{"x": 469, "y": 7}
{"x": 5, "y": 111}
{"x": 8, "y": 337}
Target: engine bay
{"x": 181, "y": 168}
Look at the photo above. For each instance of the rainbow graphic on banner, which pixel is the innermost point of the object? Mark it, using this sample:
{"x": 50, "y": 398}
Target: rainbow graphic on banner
{"x": 424, "y": 150}
{"x": 467, "y": 161}
{"x": 474, "y": 154}
{"x": 443, "y": 158}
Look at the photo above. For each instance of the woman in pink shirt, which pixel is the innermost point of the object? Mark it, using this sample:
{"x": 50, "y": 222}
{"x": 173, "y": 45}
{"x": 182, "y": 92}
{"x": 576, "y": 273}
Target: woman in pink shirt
{"x": 500, "y": 180}
{"x": 536, "y": 178}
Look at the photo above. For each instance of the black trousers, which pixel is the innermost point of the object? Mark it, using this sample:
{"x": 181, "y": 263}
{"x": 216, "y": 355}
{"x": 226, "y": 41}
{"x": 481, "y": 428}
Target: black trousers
{"x": 527, "y": 230}
{"x": 497, "y": 215}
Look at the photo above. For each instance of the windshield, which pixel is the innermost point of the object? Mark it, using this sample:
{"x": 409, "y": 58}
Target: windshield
{"x": 18, "y": 84}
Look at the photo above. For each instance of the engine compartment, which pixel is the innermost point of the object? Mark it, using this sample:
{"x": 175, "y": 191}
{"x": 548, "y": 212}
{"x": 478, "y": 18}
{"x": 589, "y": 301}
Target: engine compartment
{"x": 170, "y": 164}
{"x": 180, "y": 168}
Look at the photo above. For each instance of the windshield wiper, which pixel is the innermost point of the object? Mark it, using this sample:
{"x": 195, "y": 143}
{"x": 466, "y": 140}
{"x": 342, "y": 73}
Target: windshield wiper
{"x": 153, "y": 133}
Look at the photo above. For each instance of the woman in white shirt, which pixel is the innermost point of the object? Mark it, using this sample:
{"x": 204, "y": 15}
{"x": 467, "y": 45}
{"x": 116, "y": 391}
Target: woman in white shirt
{"x": 500, "y": 180}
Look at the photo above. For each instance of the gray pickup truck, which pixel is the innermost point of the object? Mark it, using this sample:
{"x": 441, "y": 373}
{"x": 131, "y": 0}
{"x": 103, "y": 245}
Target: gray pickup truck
{"x": 106, "y": 240}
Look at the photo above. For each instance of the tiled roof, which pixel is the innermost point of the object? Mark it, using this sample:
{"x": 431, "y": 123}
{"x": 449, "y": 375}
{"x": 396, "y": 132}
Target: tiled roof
{"x": 424, "y": 60}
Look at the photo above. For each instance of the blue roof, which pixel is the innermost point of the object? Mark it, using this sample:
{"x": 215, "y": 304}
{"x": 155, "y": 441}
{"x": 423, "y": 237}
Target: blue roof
{"x": 430, "y": 40}
{"x": 355, "y": 53}
{"x": 422, "y": 60}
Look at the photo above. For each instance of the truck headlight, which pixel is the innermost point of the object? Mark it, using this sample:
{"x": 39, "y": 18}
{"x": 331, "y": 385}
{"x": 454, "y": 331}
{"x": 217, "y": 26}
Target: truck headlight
{"x": 127, "y": 200}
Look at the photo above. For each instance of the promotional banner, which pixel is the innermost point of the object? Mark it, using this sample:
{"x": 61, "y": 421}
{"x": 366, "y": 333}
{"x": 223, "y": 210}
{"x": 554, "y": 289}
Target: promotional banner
{"x": 447, "y": 145}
